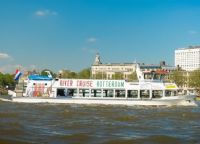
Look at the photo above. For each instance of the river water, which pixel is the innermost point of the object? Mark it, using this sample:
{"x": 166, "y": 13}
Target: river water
{"x": 97, "y": 124}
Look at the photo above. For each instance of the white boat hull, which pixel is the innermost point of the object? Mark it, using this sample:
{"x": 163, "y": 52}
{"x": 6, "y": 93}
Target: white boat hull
{"x": 166, "y": 101}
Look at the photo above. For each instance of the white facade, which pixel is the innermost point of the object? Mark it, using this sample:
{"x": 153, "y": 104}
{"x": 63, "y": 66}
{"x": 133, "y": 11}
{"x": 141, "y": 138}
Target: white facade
{"x": 188, "y": 58}
{"x": 108, "y": 71}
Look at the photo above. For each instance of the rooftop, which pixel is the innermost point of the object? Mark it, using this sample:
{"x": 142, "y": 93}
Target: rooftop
{"x": 190, "y": 47}
{"x": 115, "y": 64}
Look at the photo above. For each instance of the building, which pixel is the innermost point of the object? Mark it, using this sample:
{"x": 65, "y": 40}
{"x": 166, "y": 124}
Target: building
{"x": 125, "y": 71}
{"x": 111, "y": 70}
{"x": 188, "y": 58}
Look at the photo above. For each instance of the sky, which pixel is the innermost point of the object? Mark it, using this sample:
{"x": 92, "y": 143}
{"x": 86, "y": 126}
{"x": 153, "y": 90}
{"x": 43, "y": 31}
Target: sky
{"x": 67, "y": 34}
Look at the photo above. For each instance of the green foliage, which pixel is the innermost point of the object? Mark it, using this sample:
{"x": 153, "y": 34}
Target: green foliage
{"x": 132, "y": 77}
{"x": 6, "y": 80}
{"x": 1, "y": 79}
{"x": 84, "y": 74}
{"x": 117, "y": 76}
{"x": 68, "y": 74}
{"x": 194, "y": 79}
{"x": 100, "y": 75}
{"x": 178, "y": 77}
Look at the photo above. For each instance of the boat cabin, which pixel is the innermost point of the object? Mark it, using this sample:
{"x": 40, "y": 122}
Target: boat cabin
{"x": 87, "y": 88}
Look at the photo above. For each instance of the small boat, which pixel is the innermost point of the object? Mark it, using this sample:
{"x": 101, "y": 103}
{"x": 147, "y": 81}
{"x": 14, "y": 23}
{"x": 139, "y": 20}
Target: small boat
{"x": 151, "y": 92}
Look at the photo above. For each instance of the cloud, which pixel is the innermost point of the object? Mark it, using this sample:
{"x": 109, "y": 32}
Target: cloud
{"x": 46, "y": 12}
{"x": 192, "y": 32}
{"x": 91, "y": 40}
{"x": 4, "y": 56}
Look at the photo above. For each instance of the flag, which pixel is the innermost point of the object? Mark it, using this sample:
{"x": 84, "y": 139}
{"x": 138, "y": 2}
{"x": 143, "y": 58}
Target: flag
{"x": 17, "y": 75}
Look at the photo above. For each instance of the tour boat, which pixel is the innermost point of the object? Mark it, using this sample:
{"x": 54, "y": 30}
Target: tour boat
{"x": 151, "y": 91}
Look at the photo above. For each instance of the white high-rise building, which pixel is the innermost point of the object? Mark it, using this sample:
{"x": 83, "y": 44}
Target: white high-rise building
{"x": 188, "y": 58}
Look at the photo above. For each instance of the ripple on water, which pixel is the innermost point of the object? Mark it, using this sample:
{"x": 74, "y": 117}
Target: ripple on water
{"x": 75, "y": 138}
{"x": 8, "y": 114}
{"x": 14, "y": 141}
{"x": 54, "y": 123}
{"x": 162, "y": 139}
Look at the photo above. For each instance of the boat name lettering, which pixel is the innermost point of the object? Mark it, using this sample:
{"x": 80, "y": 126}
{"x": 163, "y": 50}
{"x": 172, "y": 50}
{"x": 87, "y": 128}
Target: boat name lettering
{"x": 110, "y": 84}
{"x": 92, "y": 83}
{"x": 83, "y": 83}
{"x": 66, "y": 82}
{"x": 76, "y": 83}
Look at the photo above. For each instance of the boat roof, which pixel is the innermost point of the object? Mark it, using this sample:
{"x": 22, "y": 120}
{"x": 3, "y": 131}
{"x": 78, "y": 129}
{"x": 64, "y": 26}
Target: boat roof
{"x": 39, "y": 77}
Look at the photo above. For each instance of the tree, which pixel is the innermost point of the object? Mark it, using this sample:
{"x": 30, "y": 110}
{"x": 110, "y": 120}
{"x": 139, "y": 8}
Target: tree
{"x": 1, "y": 79}
{"x": 73, "y": 75}
{"x": 194, "y": 80}
{"x": 68, "y": 74}
{"x": 6, "y": 80}
{"x": 84, "y": 74}
{"x": 117, "y": 76}
{"x": 132, "y": 77}
{"x": 100, "y": 75}
{"x": 179, "y": 77}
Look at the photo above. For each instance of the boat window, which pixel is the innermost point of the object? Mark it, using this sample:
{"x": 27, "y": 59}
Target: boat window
{"x": 184, "y": 92}
{"x": 157, "y": 93}
{"x": 170, "y": 93}
{"x": 174, "y": 93}
{"x": 132, "y": 93}
{"x": 72, "y": 92}
{"x": 148, "y": 76}
{"x": 119, "y": 93}
{"x": 108, "y": 93}
{"x": 96, "y": 93}
{"x": 61, "y": 92}
{"x": 84, "y": 92}
{"x": 167, "y": 93}
{"x": 144, "y": 94}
